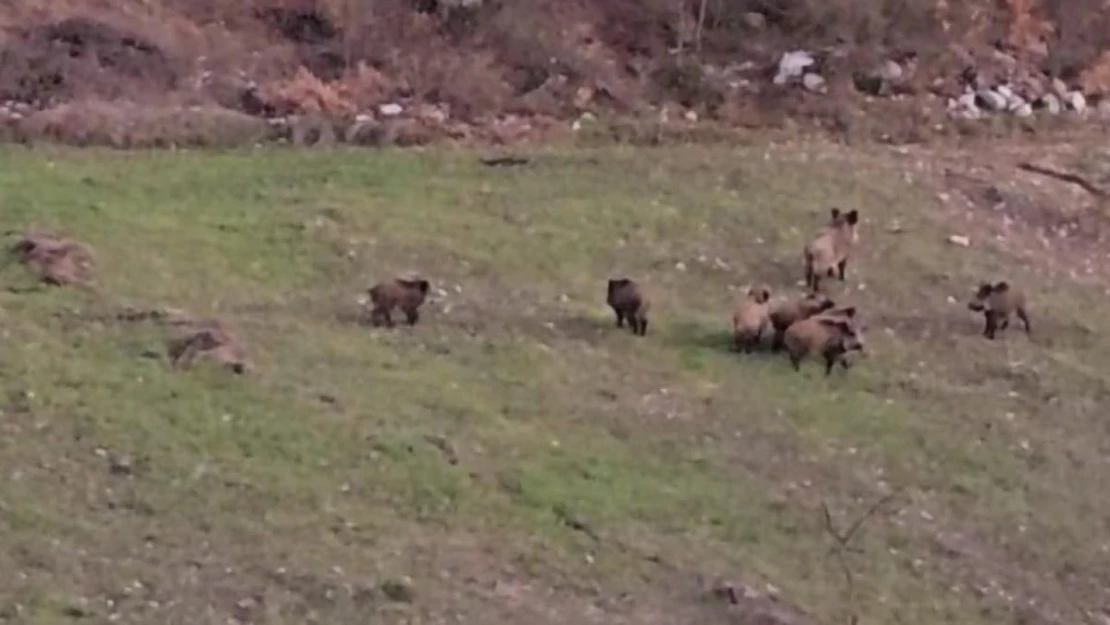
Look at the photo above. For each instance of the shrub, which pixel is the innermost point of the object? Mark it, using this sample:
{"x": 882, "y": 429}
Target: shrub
{"x": 132, "y": 125}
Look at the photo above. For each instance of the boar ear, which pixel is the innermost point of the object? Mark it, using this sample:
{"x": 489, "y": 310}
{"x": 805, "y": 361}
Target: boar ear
{"x": 852, "y": 217}
{"x": 850, "y": 312}
{"x": 1001, "y": 287}
{"x": 834, "y": 212}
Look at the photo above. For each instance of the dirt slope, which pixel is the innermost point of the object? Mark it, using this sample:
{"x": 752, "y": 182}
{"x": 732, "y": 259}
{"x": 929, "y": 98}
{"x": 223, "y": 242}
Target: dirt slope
{"x": 457, "y": 71}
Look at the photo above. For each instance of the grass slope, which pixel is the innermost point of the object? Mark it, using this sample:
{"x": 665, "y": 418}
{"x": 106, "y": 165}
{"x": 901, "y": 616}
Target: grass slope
{"x": 516, "y": 457}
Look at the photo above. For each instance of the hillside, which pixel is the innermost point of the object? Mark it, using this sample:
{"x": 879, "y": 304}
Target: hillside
{"x": 184, "y": 72}
{"x": 516, "y": 458}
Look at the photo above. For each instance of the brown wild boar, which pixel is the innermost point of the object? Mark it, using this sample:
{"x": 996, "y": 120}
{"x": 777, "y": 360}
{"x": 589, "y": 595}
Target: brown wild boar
{"x": 58, "y": 260}
{"x": 751, "y": 319}
{"x": 628, "y": 301}
{"x": 209, "y": 341}
{"x": 997, "y": 301}
{"x": 406, "y": 292}
{"x": 786, "y": 312}
{"x": 832, "y": 337}
{"x": 826, "y": 255}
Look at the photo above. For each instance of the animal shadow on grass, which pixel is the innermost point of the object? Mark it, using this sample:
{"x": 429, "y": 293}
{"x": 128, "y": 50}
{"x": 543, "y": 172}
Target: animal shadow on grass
{"x": 718, "y": 339}
{"x": 591, "y": 329}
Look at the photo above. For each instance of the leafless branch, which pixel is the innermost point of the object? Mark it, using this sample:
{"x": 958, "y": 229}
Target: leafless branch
{"x": 843, "y": 541}
{"x": 700, "y": 26}
{"x": 1066, "y": 176}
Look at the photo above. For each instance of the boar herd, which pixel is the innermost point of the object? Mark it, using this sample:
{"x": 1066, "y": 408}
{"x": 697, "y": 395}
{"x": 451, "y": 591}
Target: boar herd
{"x": 807, "y": 326}
{"x": 810, "y": 325}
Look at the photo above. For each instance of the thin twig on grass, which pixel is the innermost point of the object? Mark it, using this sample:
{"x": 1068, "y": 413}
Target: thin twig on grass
{"x": 843, "y": 541}
{"x": 1065, "y": 176}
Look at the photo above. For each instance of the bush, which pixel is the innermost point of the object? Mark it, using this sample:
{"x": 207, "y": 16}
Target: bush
{"x": 131, "y": 125}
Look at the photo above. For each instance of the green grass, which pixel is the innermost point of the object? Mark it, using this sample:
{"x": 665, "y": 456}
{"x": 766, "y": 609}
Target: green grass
{"x": 516, "y": 456}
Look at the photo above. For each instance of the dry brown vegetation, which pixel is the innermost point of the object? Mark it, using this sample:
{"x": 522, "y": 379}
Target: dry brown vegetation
{"x": 530, "y": 62}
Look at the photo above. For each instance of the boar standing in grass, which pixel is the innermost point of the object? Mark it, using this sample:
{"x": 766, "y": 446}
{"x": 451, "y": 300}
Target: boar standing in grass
{"x": 827, "y": 254}
{"x": 751, "y": 319}
{"x": 788, "y": 311}
{"x": 628, "y": 301}
{"x": 997, "y": 301}
{"x": 405, "y": 292}
{"x": 832, "y": 337}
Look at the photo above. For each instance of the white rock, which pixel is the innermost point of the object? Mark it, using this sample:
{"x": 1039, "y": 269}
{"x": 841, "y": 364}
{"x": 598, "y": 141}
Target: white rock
{"x": 964, "y": 106}
{"x": 791, "y": 65}
{"x": 813, "y": 82}
{"x": 1004, "y": 91}
{"x": 691, "y": 116}
{"x": 1059, "y": 88}
{"x": 1024, "y": 110}
{"x": 958, "y": 239}
{"x": 391, "y": 109}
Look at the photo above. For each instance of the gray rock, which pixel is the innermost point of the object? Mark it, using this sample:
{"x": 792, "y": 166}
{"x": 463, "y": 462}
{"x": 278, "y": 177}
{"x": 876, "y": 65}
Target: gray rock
{"x": 1050, "y": 103}
{"x": 1005, "y": 91}
{"x": 367, "y": 132}
{"x": 1015, "y": 102}
{"x": 1059, "y": 88}
{"x": 879, "y": 80}
{"x": 1005, "y": 60}
{"x": 990, "y": 100}
{"x": 889, "y": 71}
{"x": 754, "y": 20}
{"x": 964, "y": 107}
{"x": 792, "y": 65}
{"x": 1076, "y": 101}
{"x": 312, "y": 131}
{"x": 1103, "y": 108}
{"x": 398, "y": 590}
{"x": 1024, "y": 110}
{"x": 1030, "y": 87}
{"x": 813, "y": 82}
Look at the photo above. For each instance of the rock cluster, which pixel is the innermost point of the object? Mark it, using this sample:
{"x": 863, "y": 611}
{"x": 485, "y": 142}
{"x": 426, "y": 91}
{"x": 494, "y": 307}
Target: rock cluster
{"x": 1023, "y": 99}
{"x": 999, "y": 86}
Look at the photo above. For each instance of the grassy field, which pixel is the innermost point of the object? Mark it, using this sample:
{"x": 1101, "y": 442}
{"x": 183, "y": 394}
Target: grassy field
{"x": 515, "y": 456}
